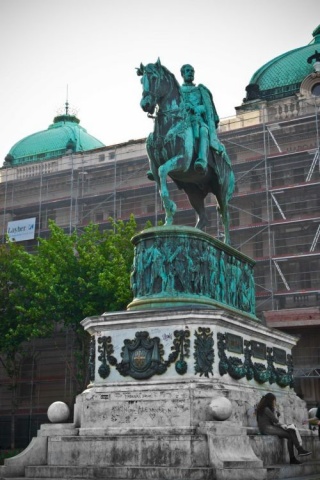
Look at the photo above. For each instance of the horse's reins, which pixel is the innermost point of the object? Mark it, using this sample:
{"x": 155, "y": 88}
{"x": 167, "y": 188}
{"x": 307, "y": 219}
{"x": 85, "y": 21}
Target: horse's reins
{"x": 154, "y": 95}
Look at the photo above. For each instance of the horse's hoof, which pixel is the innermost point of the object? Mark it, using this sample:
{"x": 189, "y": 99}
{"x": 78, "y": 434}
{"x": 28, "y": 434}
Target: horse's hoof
{"x": 202, "y": 224}
{"x": 150, "y": 175}
{"x": 168, "y": 222}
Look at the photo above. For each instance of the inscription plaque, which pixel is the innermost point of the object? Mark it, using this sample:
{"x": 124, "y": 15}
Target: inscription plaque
{"x": 279, "y": 356}
{"x": 234, "y": 343}
{"x": 144, "y": 396}
{"x": 258, "y": 350}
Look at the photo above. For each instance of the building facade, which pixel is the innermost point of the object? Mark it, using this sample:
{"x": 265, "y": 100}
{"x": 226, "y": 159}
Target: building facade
{"x": 273, "y": 143}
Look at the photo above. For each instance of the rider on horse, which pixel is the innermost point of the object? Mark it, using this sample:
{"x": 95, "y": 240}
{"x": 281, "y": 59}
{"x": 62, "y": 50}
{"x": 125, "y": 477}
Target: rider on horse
{"x": 204, "y": 118}
{"x": 184, "y": 131}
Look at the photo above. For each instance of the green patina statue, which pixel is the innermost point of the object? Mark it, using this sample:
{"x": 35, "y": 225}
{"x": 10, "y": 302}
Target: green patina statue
{"x": 178, "y": 265}
{"x": 184, "y": 144}
{"x": 199, "y": 105}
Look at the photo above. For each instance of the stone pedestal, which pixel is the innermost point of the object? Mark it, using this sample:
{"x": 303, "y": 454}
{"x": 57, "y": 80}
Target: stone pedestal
{"x": 183, "y": 266}
{"x": 163, "y": 368}
{"x": 189, "y": 342}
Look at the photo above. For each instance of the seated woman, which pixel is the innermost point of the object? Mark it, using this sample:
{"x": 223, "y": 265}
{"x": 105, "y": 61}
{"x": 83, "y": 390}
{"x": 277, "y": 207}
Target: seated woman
{"x": 269, "y": 424}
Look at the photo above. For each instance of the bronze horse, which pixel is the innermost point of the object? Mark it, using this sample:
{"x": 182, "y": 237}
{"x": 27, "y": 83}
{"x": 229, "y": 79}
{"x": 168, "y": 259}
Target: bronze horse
{"x": 171, "y": 150}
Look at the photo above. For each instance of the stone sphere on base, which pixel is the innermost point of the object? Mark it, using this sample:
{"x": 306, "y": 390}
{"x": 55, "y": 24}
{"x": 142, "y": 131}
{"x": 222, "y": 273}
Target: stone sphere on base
{"x": 312, "y": 412}
{"x": 58, "y": 412}
{"x": 221, "y": 408}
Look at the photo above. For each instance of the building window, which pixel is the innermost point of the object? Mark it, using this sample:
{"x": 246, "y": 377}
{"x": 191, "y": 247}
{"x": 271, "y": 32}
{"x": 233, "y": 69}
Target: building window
{"x": 316, "y": 90}
{"x": 28, "y": 368}
{"x": 298, "y": 175}
{"x": 235, "y": 218}
{"x": 26, "y": 388}
{"x": 99, "y": 217}
{"x": 26, "y": 391}
{"x": 258, "y": 248}
{"x": 256, "y": 212}
{"x": 255, "y": 181}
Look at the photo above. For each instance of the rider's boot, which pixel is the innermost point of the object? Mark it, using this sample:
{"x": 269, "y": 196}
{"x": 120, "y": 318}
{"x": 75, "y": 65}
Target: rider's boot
{"x": 201, "y": 164}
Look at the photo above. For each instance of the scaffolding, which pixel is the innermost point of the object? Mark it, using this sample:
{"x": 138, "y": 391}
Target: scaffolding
{"x": 275, "y": 211}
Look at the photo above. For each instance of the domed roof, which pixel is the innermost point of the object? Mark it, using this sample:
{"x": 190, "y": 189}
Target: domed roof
{"x": 63, "y": 135}
{"x": 282, "y": 76}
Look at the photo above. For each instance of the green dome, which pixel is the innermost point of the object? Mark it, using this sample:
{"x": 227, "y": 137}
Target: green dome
{"x": 63, "y": 135}
{"x": 282, "y": 76}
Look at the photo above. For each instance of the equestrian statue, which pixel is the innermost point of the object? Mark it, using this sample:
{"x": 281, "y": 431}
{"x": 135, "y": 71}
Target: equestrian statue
{"x": 184, "y": 144}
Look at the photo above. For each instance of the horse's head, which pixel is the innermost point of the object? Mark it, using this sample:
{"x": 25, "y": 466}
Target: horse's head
{"x": 153, "y": 85}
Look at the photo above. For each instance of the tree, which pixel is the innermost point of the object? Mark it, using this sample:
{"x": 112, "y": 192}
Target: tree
{"x": 80, "y": 275}
{"x": 69, "y": 278}
{"x": 15, "y": 327}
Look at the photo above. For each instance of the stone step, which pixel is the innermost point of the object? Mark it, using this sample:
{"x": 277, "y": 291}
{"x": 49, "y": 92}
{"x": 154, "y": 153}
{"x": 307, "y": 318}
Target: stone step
{"x": 306, "y": 471}
{"x": 287, "y": 471}
{"x": 294, "y": 472}
{"x": 234, "y": 464}
{"x": 308, "y": 477}
{"x": 129, "y": 450}
{"x": 119, "y": 473}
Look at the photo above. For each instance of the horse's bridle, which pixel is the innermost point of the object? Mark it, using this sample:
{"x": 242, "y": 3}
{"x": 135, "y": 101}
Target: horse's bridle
{"x": 149, "y": 92}
{"x": 155, "y": 96}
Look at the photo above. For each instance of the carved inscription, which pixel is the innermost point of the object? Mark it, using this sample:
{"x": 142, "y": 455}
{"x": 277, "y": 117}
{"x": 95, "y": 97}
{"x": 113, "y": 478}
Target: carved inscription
{"x": 149, "y": 395}
{"x": 135, "y": 411}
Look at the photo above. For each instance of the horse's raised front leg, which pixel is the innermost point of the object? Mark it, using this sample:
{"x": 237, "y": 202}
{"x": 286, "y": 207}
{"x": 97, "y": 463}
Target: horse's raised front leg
{"x": 168, "y": 204}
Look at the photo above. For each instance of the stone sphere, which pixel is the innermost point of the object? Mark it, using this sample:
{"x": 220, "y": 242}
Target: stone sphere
{"x": 221, "y": 408}
{"x": 58, "y": 412}
{"x": 312, "y": 412}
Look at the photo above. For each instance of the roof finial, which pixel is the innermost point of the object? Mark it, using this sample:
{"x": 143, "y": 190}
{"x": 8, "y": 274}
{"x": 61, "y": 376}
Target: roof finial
{"x": 316, "y": 57}
{"x": 67, "y": 103}
{"x": 316, "y": 31}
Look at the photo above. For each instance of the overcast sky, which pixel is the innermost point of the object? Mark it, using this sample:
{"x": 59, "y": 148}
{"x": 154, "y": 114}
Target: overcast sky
{"x": 93, "y": 47}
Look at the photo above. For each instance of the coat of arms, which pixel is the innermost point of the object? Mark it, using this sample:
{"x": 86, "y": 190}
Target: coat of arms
{"x": 142, "y": 357}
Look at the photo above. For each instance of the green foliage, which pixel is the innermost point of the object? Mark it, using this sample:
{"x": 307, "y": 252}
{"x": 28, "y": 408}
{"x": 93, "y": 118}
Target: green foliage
{"x": 8, "y": 454}
{"x": 70, "y": 277}
{"x": 83, "y": 274}
{"x": 16, "y": 286}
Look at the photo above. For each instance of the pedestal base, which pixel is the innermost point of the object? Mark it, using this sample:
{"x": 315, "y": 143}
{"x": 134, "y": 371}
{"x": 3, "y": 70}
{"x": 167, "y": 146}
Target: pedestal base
{"x": 147, "y": 414}
{"x": 178, "y": 266}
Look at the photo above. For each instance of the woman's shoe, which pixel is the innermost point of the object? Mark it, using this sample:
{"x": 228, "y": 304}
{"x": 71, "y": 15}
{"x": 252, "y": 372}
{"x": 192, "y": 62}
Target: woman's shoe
{"x": 302, "y": 452}
{"x": 294, "y": 461}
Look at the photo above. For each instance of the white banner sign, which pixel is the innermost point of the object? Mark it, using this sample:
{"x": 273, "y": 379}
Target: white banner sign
{"x": 21, "y": 230}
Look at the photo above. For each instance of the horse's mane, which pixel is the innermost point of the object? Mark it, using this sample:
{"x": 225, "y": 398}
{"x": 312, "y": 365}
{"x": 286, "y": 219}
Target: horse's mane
{"x": 156, "y": 67}
{"x": 172, "y": 76}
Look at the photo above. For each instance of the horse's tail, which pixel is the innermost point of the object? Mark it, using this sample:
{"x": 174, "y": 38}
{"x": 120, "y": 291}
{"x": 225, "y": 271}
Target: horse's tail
{"x": 223, "y": 168}
{"x": 226, "y": 179}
